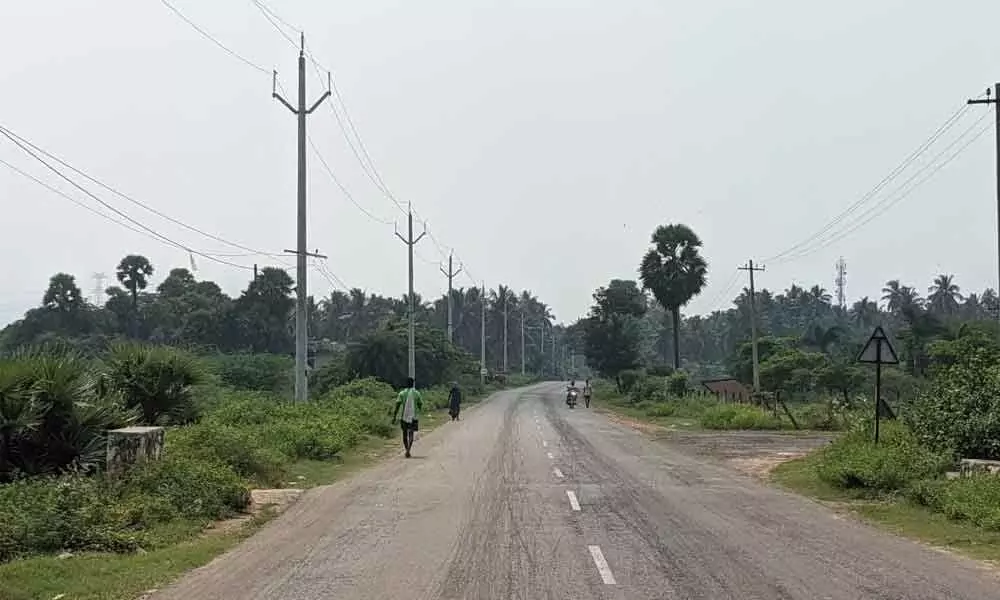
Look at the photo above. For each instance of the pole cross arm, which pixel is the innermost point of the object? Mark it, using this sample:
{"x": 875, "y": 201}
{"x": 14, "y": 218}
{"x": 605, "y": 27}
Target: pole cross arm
{"x": 325, "y": 95}
{"x": 283, "y": 101}
{"x": 986, "y": 101}
{"x": 420, "y": 237}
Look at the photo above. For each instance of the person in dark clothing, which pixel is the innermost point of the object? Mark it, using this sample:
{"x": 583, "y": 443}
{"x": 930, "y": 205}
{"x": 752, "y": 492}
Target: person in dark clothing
{"x": 454, "y": 401}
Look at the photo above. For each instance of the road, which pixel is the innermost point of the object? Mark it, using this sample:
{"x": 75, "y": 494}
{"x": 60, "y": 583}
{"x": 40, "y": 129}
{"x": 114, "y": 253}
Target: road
{"x": 525, "y": 499}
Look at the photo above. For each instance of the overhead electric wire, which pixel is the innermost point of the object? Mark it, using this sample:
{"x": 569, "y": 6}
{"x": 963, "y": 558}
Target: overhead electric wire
{"x": 928, "y": 171}
{"x": 213, "y": 39}
{"x": 941, "y": 130}
{"x": 344, "y": 190}
{"x": 248, "y": 249}
{"x": 726, "y": 289}
{"x": 357, "y": 145}
{"x": 271, "y": 16}
{"x": 112, "y": 208}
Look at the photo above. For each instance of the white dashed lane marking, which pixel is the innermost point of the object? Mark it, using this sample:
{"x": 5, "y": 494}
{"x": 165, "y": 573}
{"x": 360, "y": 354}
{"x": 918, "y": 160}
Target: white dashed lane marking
{"x": 573, "y": 502}
{"x": 602, "y": 565}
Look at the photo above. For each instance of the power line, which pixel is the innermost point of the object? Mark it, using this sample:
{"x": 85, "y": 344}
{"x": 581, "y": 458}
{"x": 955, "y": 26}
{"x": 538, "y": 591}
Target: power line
{"x": 727, "y": 288}
{"x": 250, "y": 251}
{"x": 271, "y": 16}
{"x": 69, "y": 180}
{"x": 928, "y": 171}
{"x": 941, "y": 130}
{"x": 213, "y": 39}
{"x": 336, "y": 181}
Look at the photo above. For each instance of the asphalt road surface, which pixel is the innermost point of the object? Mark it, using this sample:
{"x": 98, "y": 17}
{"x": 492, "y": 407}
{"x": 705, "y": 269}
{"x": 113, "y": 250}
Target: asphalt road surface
{"x": 526, "y": 499}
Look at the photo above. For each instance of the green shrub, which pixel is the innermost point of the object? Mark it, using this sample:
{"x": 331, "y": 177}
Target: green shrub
{"x": 263, "y": 372}
{"x": 677, "y": 383}
{"x": 652, "y": 389}
{"x": 241, "y": 448}
{"x": 157, "y": 380}
{"x": 628, "y": 378}
{"x": 321, "y": 437}
{"x": 960, "y": 410}
{"x": 738, "y": 416}
{"x": 854, "y": 461}
{"x": 333, "y": 373}
{"x": 47, "y": 515}
{"x": 195, "y": 489}
{"x": 975, "y": 499}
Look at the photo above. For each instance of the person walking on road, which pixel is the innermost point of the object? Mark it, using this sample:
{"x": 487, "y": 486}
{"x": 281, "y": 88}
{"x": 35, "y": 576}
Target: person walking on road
{"x": 411, "y": 403}
{"x": 587, "y": 391}
{"x": 454, "y": 401}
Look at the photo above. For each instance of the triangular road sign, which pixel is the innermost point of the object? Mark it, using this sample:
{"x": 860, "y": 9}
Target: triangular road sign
{"x": 878, "y": 349}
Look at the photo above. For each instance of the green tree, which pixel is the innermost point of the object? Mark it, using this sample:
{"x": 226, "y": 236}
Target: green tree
{"x": 674, "y": 270}
{"x": 134, "y": 272}
{"x": 612, "y": 333}
{"x": 945, "y": 295}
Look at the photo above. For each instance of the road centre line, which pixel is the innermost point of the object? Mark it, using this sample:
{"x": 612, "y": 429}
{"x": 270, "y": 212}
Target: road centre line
{"x": 549, "y": 454}
{"x": 573, "y": 502}
{"x": 557, "y": 472}
{"x": 545, "y": 444}
{"x": 602, "y": 565}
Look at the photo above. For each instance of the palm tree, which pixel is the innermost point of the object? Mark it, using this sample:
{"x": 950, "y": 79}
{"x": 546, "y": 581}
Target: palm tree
{"x": 944, "y": 296}
{"x": 898, "y": 297}
{"x": 134, "y": 272}
{"x": 864, "y": 313}
{"x": 674, "y": 270}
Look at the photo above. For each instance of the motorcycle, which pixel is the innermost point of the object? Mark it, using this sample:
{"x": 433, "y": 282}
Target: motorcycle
{"x": 571, "y": 398}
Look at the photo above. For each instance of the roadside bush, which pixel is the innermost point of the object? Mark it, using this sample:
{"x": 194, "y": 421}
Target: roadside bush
{"x": 333, "y": 373}
{"x": 677, "y": 383}
{"x": 628, "y": 378}
{"x": 649, "y": 389}
{"x": 264, "y": 372}
{"x": 158, "y": 381}
{"x": 960, "y": 410}
{"x": 854, "y": 461}
{"x": 194, "y": 489}
{"x": 661, "y": 409}
{"x": 660, "y": 371}
{"x": 239, "y": 448}
{"x": 738, "y": 416}
{"x": 975, "y": 499}
{"x": 316, "y": 436}
{"x": 48, "y": 515}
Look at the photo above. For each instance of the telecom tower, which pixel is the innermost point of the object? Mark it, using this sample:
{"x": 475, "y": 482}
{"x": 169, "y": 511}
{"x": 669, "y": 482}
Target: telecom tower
{"x": 841, "y": 282}
{"x": 97, "y": 295}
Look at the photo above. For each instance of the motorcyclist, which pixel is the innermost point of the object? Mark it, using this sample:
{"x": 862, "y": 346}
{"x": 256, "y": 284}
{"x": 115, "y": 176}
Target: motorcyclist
{"x": 570, "y": 389}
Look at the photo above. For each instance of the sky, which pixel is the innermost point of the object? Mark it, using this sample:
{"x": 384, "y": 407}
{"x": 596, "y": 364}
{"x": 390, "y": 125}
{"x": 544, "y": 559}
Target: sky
{"x": 542, "y": 142}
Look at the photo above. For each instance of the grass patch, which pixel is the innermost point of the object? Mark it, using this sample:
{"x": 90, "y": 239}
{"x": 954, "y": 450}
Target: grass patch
{"x": 104, "y": 576}
{"x": 892, "y": 512}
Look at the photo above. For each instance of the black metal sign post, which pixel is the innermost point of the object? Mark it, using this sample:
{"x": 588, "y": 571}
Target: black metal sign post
{"x": 878, "y": 350}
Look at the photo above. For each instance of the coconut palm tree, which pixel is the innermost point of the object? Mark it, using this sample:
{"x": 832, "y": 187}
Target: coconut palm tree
{"x": 674, "y": 270}
{"x": 898, "y": 297}
{"x": 944, "y": 296}
{"x": 864, "y": 313}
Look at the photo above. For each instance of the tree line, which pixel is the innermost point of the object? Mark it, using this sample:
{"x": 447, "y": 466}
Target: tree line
{"x": 806, "y": 340}
{"x": 184, "y": 311}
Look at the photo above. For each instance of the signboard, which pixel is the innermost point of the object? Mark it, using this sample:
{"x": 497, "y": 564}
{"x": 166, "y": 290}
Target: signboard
{"x": 483, "y": 371}
{"x": 878, "y": 349}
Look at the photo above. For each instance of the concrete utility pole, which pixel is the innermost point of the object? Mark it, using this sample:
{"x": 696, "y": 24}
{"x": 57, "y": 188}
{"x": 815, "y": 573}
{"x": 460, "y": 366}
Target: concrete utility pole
{"x": 450, "y": 274}
{"x": 995, "y": 101}
{"x": 301, "y": 288}
{"x": 482, "y": 334}
{"x": 522, "y": 344}
{"x": 410, "y": 243}
{"x": 750, "y": 268}
{"x": 505, "y": 298}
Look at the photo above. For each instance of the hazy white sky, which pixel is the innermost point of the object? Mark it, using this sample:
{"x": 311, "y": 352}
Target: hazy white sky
{"x": 544, "y": 141}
